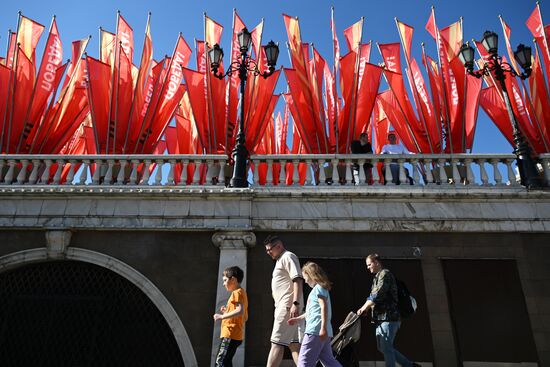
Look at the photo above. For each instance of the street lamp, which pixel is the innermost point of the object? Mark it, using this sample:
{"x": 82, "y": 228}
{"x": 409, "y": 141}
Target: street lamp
{"x": 243, "y": 66}
{"x": 527, "y": 169}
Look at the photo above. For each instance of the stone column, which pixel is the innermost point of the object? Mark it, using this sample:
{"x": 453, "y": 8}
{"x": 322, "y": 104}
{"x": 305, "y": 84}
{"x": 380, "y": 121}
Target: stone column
{"x": 440, "y": 317}
{"x": 233, "y": 247}
{"x": 57, "y": 242}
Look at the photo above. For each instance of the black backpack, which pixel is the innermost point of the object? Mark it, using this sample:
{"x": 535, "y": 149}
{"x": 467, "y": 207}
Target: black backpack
{"x": 406, "y": 304}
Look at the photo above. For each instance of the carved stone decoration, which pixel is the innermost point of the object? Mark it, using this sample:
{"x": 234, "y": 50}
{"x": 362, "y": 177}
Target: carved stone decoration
{"x": 227, "y": 240}
{"x": 57, "y": 243}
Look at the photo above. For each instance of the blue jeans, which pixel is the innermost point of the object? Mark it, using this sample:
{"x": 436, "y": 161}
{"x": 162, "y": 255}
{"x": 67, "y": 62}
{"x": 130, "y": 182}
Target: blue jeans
{"x": 385, "y": 335}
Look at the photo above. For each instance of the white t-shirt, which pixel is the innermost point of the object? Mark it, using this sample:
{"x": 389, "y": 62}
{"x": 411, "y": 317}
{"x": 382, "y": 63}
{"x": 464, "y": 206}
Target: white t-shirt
{"x": 394, "y": 149}
{"x": 287, "y": 268}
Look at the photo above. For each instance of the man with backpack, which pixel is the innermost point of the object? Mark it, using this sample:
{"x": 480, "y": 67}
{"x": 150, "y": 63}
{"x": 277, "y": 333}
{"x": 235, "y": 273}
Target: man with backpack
{"x": 383, "y": 301}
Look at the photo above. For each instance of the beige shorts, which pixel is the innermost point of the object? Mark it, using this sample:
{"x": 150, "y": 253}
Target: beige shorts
{"x": 283, "y": 333}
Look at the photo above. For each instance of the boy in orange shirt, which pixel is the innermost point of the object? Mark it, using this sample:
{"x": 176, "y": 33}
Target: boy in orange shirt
{"x": 233, "y": 317}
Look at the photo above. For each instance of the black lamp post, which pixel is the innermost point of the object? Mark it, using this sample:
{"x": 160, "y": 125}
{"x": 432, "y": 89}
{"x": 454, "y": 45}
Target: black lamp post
{"x": 527, "y": 169}
{"x": 243, "y": 66}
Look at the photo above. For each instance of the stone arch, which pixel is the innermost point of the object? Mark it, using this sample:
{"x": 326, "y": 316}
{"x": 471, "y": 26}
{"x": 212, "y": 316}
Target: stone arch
{"x": 132, "y": 275}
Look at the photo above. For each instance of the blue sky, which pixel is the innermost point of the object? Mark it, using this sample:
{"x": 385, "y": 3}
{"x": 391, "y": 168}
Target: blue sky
{"x": 78, "y": 19}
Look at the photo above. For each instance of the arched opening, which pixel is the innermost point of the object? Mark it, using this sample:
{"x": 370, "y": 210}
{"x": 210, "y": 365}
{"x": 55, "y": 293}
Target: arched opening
{"x": 81, "y": 313}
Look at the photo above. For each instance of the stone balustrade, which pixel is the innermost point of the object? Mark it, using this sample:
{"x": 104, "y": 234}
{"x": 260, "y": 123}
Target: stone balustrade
{"x": 480, "y": 170}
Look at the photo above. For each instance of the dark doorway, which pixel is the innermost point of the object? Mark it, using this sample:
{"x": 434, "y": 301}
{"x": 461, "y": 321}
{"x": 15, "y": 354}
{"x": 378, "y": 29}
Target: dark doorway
{"x": 69, "y": 313}
{"x": 488, "y": 311}
{"x": 351, "y": 287}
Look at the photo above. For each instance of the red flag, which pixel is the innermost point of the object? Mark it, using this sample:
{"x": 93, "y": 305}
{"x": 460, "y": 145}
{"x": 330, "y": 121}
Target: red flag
{"x": 194, "y": 82}
{"x": 98, "y": 96}
{"x": 507, "y": 32}
{"x": 125, "y": 36}
{"x": 22, "y": 91}
{"x": 10, "y": 56}
{"x": 46, "y": 79}
{"x": 335, "y": 43}
{"x": 431, "y": 26}
{"x": 212, "y": 31}
{"x": 28, "y": 35}
{"x": 406, "y": 34}
{"x": 391, "y": 56}
{"x": 354, "y": 35}
{"x": 107, "y": 47}
{"x": 451, "y": 37}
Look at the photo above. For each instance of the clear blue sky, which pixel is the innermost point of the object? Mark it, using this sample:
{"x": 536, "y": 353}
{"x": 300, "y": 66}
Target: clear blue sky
{"x": 78, "y": 19}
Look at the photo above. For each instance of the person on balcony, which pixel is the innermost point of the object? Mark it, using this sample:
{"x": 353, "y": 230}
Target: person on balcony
{"x": 361, "y": 146}
{"x": 394, "y": 148}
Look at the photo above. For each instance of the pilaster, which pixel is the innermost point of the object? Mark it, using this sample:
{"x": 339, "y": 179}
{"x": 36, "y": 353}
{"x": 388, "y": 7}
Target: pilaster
{"x": 233, "y": 247}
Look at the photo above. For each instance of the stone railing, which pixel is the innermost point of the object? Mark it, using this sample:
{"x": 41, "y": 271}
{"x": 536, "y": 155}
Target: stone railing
{"x": 266, "y": 170}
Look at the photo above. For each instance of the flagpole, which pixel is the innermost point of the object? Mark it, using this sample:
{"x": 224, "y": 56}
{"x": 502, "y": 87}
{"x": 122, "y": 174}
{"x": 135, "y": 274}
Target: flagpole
{"x": 320, "y": 99}
{"x": 211, "y": 117}
{"x": 417, "y": 99}
{"x": 148, "y": 130}
{"x": 49, "y": 108}
{"x": 425, "y": 62}
{"x": 64, "y": 91}
{"x": 90, "y": 99}
{"x": 447, "y": 121}
{"x": 228, "y": 93}
{"x": 464, "y": 95}
{"x": 7, "y": 94}
{"x": 16, "y": 57}
{"x": 113, "y": 86}
{"x": 13, "y": 76}
{"x": 139, "y": 83}
{"x": 25, "y": 121}
{"x": 335, "y": 97}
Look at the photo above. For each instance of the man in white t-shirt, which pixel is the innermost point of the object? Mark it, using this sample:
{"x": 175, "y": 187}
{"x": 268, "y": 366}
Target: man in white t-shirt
{"x": 287, "y": 291}
{"x": 394, "y": 148}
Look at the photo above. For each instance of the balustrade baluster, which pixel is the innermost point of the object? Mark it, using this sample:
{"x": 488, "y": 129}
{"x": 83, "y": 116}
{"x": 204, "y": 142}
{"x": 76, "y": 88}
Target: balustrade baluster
{"x": 45, "y": 179}
{"x": 335, "y": 176}
{"x": 415, "y": 173}
{"x": 2, "y": 165}
{"x": 34, "y": 173}
{"x": 269, "y": 178}
{"x": 496, "y": 172}
{"x": 134, "y": 173}
{"x": 22, "y": 176}
{"x": 456, "y": 175}
{"x": 282, "y": 173}
{"x": 11, "y": 172}
{"x": 146, "y": 172}
{"x": 470, "y": 180}
{"x": 256, "y": 173}
{"x": 442, "y": 174}
{"x": 309, "y": 176}
{"x": 295, "y": 174}
{"x": 221, "y": 174}
{"x": 58, "y": 171}
{"x": 108, "y": 179}
{"x": 197, "y": 173}
{"x": 70, "y": 175}
{"x": 349, "y": 175}
{"x": 84, "y": 172}
{"x": 158, "y": 175}
{"x": 362, "y": 177}
{"x": 121, "y": 172}
{"x": 428, "y": 170}
{"x": 402, "y": 175}
{"x": 483, "y": 173}
{"x": 388, "y": 173}
{"x": 183, "y": 176}
{"x": 375, "y": 175}
{"x": 209, "y": 171}
{"x": 511, "y": 174}
{"x": 322, "y": 176}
